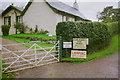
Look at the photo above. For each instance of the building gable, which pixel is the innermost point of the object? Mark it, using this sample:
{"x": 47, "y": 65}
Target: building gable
{"x": 9, "y": 9}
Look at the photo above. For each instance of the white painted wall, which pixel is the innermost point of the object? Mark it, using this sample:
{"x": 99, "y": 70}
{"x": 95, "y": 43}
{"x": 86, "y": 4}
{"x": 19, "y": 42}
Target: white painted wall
{"x": 13, "y": 20}
{"x": 0, "y": 25}
{"x": 39, "y": 13}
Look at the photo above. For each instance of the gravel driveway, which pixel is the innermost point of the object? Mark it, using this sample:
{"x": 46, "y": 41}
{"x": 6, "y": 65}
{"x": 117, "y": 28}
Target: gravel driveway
{"x": 106, "y": 67}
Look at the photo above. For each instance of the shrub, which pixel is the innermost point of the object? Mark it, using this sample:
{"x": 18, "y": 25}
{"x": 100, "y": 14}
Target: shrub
{"x": 114, "y": 28}
{"x": 98, "y": 34}
{"x": 20, "y": 27}
{"x": 5, "y": 30}
{"x": 43, "y": 31}
{"x": 36, "y": 30}
{"x": 31, "y": 31}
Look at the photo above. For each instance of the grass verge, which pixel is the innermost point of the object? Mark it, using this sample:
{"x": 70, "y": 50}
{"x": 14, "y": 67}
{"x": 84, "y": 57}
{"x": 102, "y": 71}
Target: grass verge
{"x": 113, "y": 48}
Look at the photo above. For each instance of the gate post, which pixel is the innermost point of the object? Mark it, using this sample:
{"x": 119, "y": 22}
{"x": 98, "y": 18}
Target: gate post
{"x": 35, "y": 55}
{"x": 60, "y": 46}
{"x": 1, "y": 64}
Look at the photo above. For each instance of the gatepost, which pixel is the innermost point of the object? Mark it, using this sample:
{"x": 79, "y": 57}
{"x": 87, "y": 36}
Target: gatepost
{"x": 60, "y": 51}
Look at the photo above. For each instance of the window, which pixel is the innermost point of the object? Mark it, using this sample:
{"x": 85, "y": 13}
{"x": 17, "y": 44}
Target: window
{"x": 67, "y": 18}
{"x": 19, "y": 19}
{"x": 7, "y": 20}
{"x": 63, "y": 18}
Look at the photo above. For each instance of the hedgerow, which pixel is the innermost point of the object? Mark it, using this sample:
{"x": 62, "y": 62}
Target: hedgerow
{"x": 114, "y": 28}
{"x": 98, "y": 34}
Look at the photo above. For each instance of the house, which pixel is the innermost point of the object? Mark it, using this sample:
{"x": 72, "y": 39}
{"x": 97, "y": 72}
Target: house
{"x": 45, "y": 15}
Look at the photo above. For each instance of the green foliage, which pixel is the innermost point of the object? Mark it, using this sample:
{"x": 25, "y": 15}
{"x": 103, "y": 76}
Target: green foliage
{"x": 20, "y": 27}
{"x": 33, "y": 35}
{"x": 113, "y": 48}
{"x": 114, "y": 28}
{"x": 98, "y": 34}
{"x": 5, "y": 30}
{"x": 21, "y": 40}
{"x": 31, "y": 31}
{"x": 36, "y": 30}
{"x": 6, "y": 76}
{"x": 109, "y": 14}
{"x": 43, "y": 31}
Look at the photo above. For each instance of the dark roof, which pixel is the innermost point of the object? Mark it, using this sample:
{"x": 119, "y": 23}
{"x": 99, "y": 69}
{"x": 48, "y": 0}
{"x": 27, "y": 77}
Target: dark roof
{"x": 10, "y": 8}
{"x": 65, "y": 8}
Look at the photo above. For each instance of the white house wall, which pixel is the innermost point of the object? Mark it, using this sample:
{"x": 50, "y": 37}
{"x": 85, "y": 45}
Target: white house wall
{"x": 39, "y": 13}
{"x": 13, "y": 20}
{"x": 0, "y": 25}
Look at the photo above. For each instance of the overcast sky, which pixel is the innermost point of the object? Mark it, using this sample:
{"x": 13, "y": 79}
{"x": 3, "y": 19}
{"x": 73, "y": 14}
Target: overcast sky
{"x": 88, "y": 7}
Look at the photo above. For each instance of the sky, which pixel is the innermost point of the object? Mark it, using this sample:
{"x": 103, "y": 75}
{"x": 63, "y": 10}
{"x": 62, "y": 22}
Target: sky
{"x": 89, "y": 8}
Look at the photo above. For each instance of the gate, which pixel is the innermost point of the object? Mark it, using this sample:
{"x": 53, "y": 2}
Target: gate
{"x": 28, "y": 58}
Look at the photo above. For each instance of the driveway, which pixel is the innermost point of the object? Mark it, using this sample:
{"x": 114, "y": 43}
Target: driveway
{"x": 106, "y": 67}
{"x": 103, "y": 68}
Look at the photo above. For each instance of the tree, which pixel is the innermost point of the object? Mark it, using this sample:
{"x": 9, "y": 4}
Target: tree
{"x": 109, "y": 14}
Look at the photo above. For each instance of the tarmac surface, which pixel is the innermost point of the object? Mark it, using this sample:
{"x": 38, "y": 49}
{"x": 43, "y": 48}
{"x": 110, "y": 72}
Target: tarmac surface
{"x": 106, "y": 67}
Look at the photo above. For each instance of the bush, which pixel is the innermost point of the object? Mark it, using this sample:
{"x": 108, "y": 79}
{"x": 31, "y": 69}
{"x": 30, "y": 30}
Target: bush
{"x": 36, "y": 30}
{"x": 113, "y": 28}
{"x": 98, "y": 34}
{"x": 5, "y": 30}
{"x": 20, "y": 27}
{"x": 31, "y": 31}
{"x": 43, "y": 31}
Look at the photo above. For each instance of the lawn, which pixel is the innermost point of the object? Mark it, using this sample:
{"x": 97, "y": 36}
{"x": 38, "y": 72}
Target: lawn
{"x": 113, "y": 48}
{"x": 32, "y": 35}
{"x": 21, "y": 40}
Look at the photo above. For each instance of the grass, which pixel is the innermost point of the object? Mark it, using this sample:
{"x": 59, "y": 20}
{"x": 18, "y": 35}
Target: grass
{"x": 113, "y": 48}
{"x": 32, "y": 35}
{"x": 21, "y": 40}
{"x": 0, "y": 70}
{"x": 5, "y": 76}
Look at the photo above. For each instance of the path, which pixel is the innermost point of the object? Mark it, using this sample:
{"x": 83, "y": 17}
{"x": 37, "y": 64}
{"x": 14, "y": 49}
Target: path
{"x": 106, "y": 67}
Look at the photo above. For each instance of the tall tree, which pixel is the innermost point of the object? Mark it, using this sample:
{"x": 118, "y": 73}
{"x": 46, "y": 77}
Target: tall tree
{"x": 109, "y": 14}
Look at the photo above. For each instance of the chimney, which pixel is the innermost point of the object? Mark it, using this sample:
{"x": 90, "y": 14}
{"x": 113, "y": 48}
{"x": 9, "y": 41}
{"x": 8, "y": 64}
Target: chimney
{"x": 12, "y": 4}
{"x": 75, "y": 5}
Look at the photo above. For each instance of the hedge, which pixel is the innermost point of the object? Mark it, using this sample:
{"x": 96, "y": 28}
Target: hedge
{"x": 114, "y": 28}
{"x": 5, "y": 30}
{"x": 98, "y": 34}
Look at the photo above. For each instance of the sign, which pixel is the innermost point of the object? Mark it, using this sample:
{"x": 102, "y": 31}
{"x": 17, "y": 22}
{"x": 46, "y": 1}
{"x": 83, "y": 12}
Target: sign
{"x": 78, "y": 54}
{"x": 67, "y": 44}
{"x": 79, "y": 43}
{"x": 87, "y": 41}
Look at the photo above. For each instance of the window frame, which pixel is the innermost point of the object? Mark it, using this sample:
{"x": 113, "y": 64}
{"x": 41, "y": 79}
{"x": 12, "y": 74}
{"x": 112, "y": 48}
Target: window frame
{"x": 19, "y": 19}
{"x": 7, "y": 20}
